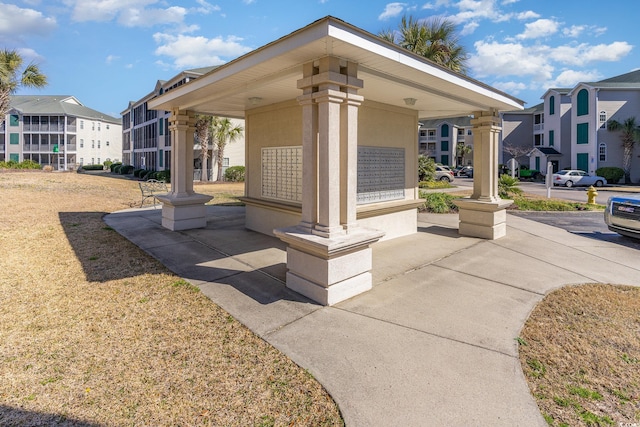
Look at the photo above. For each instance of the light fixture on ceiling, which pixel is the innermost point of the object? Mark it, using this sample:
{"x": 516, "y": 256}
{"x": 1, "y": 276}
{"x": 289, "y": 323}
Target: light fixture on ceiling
{"x": 255, "y": 100}
{"x": 410, "y": 101}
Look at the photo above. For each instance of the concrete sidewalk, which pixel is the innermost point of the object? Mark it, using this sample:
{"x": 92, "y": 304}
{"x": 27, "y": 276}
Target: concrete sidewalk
{"x": 433, "y": 343}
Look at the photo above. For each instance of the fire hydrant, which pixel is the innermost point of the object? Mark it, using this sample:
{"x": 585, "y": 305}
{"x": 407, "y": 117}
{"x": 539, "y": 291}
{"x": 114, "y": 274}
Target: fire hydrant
{"x": 591, "y": 195}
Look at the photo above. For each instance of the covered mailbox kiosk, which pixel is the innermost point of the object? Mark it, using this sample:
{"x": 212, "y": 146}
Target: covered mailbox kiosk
{"x": 331, "y": 118}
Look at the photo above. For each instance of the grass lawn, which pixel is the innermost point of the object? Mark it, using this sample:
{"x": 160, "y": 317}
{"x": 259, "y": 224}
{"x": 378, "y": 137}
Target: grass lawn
{"x": 95, "y": 331}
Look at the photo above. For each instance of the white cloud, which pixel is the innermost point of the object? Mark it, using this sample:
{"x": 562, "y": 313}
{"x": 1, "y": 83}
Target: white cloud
{"x": 569, "y": 78}
{"x": 574, "y": 30}
{"x": 529, "y": 14}
{"x": 539, "y": 28}
{"x": 392, "y": 10}
{"x": 151, "y": 17}
{"x": 248, "y": 1}
{"x": 110, "y": 58}
{"x": 189, "y": 51}
{"x": 469, "y": 28}
{"x": 510, "y": 59}
{"x": 130, "y": 13}
{"x": 583, "y": 53}
{"x": 206, "y": 8}
{"x": 16, "y": 22}
{"x": 512, "y": 88}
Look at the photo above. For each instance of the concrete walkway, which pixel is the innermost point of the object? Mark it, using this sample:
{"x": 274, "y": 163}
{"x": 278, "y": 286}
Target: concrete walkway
{"x": 433, "y": 343}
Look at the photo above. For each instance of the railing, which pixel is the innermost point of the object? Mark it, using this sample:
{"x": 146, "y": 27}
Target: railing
{"x": 43, "y": 128}
{"x": 538, "y": 128}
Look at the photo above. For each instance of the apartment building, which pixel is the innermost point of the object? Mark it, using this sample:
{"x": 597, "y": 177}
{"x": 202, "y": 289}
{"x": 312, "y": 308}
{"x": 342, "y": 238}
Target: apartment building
{"x": 146, "y": 139}
{"x": 569, "y": 128}
{"x": 443, "y": 139}
{"x": 58, "y": 131}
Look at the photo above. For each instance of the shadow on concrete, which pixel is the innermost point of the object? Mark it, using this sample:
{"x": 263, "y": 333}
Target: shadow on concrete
{"x": 224, "y": 254}
{"x": 10, "y": 417}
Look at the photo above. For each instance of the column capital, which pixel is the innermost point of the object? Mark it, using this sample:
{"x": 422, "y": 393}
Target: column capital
{"x": 330, "y": 95}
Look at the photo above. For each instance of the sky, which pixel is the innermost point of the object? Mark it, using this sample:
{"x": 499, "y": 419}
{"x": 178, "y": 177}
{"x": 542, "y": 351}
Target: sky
{"x": 109, "y": 52}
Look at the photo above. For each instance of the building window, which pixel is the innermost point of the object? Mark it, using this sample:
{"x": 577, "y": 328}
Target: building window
{"x": 14, "y": 157}
{"x": 161, "y": 127}
{"x": 444, "y": 131}
{"x": 602, "y": 152}
{"x": 538, "y": 139}
{"x": 469, "y": 132}
{"x": 82, "y": 143}
{"x": 582, "y": 131}
{"x": 81, "y": 124}
{"x": 552, "y": 135}
{"x": 161, "y": 156}
{"x": 98, "y": 160}
{"x": 14, "y": 120}
{"x": 107, "y": 143}
{"x": 14, "y": 138}
{"x": 98, "y": 126}
{"x": 444, "y": 159}
{"x": 603, "y": 119}
{"x": 444, "y": 145}
{"x": 552, "y": 105}
{"x": 583, "y": 102}
{"x": 93, "y": 143}
{"x": 81, "y": 160}
{"x": 98, "y": 143}
{"x": 93, "y": 125}
{"x": 107, "y": 127}
{"x": 93, "y": 160}
{"x": 460, "y": 132}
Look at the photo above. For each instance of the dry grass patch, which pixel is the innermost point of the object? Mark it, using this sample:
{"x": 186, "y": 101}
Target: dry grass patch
{"x": 580, "y": 352}
{"x": 95, "y": 332}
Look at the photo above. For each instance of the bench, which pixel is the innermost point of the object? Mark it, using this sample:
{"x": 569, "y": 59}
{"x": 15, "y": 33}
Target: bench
{"x": 151, "y": 189}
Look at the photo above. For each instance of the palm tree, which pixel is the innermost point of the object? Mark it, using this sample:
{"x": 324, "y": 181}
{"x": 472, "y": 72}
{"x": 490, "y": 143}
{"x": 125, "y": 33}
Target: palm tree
{"x": 224, "y": 132}
{"x": 204, "y": 131}
{"x": 434, "y": 38}
{"x": 463, "y": 150}
{"x": 630, "y": 134}
{"x": 13, "y": 77}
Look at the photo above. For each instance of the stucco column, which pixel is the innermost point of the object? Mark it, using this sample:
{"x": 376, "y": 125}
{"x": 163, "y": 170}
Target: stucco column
{"x": 182, "y": 209}
{"x": 349, "y": 148}
{"x": 483, "y": 214}
{"x": 329, "y": 258}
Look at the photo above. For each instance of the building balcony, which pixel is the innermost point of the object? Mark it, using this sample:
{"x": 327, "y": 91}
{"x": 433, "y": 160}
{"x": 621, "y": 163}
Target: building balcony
{"x": 539, "y": 127}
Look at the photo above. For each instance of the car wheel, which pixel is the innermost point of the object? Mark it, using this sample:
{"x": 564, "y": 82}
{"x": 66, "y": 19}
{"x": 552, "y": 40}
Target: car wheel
{"x": 445, "y": 178}
{"x": 599, "y": 183}
{"x": 568, "y": 184}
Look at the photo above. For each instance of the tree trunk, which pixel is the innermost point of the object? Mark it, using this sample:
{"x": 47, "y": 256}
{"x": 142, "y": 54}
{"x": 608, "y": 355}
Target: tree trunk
{"x": 626, "y": 162}
{"x": 220, "y": 158}
{"x": 204, "y": 176}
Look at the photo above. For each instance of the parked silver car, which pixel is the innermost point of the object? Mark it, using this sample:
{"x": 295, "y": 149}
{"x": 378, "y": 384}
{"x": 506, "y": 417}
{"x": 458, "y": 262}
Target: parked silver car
{"x": 572, "y": 177}
{"x": 622, "y": 215}
{"x": 444, "y": 173}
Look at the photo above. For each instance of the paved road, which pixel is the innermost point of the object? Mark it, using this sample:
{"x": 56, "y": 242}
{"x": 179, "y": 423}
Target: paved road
{"x": 576, "y": 194}
{"x": 590, "y": 224}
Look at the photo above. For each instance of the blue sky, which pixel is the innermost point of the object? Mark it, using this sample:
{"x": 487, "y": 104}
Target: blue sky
{"x": 108, "y": 52}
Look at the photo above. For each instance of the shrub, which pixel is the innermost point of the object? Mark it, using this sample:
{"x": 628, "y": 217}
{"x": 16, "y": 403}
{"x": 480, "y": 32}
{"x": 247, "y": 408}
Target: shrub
{"x": 439, "y": 202}
{"x": 611, "y": 174}
{"x": 136, "y": 172}
{"x": 48, "y": 168}
{"x": 125, "y": 169}
{"x": 107, "y": 164}
{"x": 115, "y": 165}
{"x": 164, "y": 175}
{"x": 93, "y": 167}
{"x": 29, "y": 164}
{"x": 508, "y": 187}
{"x": 426, "y": 168}
{"x": 234, "y": 174}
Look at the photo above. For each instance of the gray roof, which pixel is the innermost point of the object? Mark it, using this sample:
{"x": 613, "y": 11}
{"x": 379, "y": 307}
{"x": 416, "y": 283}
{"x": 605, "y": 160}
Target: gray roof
{"x": 63, "y": 105}
{"x": 538, "y": 108}
{"x": 624, "y": 81}
{"x": 549, "y": 151}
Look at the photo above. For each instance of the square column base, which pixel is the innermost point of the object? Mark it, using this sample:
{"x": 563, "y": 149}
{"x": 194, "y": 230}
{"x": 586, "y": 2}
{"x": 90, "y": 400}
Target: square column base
{"x": 184, "y": 213}
{"x": 486, "y": 220}
{"x": 329, "y": 269}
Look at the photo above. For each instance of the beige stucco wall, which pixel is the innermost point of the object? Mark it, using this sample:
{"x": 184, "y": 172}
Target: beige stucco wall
{"x": 280, "y": 125}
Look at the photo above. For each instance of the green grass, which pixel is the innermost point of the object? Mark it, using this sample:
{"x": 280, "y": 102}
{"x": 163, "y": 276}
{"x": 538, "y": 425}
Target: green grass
{"x": 527, "y": 204}
{"x": 435, "y": 185}
{"x": 439, "y": 202}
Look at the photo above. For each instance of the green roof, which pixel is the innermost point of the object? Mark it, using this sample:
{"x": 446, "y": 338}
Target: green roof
{"x": 63, "y": 105}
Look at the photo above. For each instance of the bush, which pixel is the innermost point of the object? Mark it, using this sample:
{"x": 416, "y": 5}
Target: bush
{"x": 164, "y": 175}
{"x": 93, "y": 167}
{"x": 107, "y": 164}
{"x": 439, "y": 202}
{"x": 234, "y": 174}
{"x": 125, "y": 170}
{"x": 136, "y": 172}
{"x": 115, "y": 165}
{"x": 611, "y": 174}
{"x": 426, "y": 168}
{"x": 27, "y": 164}
{"x": 508, "y": 187}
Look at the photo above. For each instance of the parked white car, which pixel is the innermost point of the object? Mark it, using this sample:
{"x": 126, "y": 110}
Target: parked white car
{"x": 572, "y": 177}
{"x": 622, "y": 215}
